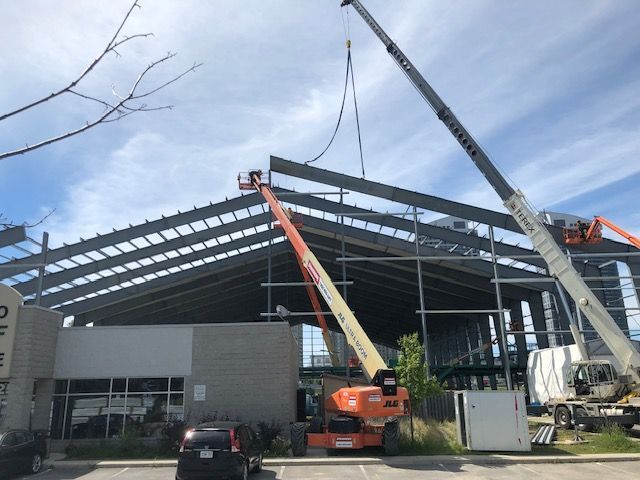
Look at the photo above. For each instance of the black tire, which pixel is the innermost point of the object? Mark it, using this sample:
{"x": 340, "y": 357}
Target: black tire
{"x": 562, "y": 417}
{"x": 583, "y": 427}
{"x": 298, "y": 439}
{"x": 36, "y": 463}
{"x": 391, "y": 437}
{"x": 316, "y": 426}
{"x": 245, "y": 472}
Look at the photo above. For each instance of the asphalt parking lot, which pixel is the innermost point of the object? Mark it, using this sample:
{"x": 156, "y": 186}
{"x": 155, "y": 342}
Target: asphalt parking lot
{"x": 584, "y": 471}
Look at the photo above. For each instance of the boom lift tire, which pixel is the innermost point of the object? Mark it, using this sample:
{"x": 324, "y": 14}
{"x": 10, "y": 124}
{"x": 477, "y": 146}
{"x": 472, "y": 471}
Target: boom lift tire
{"x": 298, "y": 441}
{"x": 391, "y": 437}
{"x": 562, "y": 417}
{"x": 316, "y": 425}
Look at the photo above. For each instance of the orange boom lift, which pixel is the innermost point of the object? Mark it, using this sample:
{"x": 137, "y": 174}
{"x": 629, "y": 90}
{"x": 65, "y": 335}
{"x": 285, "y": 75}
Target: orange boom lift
{"x": 360, "y": 416}
{"x": 583, "y": 233}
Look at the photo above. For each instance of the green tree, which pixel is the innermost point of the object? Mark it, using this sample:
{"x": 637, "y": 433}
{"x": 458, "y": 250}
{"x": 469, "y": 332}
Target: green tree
{"x": 412, "y": 370}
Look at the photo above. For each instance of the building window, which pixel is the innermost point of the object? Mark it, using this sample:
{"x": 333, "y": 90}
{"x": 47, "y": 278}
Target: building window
{"x": 460, "y": 225}
{"x": 106, "y": 408}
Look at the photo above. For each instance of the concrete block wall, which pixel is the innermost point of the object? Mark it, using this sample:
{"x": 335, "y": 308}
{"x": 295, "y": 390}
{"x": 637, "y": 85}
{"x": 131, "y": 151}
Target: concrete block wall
{"x": 33, "y": 358}
{"x": 250, "y": 372}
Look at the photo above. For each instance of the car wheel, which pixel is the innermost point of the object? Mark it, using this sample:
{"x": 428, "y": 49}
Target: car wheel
{"x": 36, "y": 463}
{"x": 258, "y": 467}
{"x": 244, "y": 475}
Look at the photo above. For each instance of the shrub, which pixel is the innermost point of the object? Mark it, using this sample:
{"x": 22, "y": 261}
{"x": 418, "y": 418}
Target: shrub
{"x": 279, "y": 448}
{"x": 268, "y": 432}
{"x": 172, "y": 433}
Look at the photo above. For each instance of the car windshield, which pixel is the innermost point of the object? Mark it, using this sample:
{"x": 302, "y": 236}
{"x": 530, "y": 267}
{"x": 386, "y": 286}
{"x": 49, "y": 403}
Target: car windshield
{"x": 209, "y": 439}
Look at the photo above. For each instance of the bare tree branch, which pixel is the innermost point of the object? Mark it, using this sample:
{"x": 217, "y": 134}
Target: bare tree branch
{"x": 110, "y": 47}
{"x": 4, "y": 222}
{"x": 125, "y": 105}
{"x": 117, "y": 111}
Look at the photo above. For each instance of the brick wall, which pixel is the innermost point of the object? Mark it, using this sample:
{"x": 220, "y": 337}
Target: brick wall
{"x": 249, "y": 369}
{"x": 33, "y": 358}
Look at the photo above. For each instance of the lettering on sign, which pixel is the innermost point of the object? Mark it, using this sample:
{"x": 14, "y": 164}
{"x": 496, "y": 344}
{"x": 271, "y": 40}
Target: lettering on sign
{"x": 391, "y": 403}
{"x": 4, "y": 386}
{"x": 10, "y": 301}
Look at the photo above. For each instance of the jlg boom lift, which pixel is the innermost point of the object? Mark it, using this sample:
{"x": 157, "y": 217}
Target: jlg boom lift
{"x": 355, "y": 412}
{"x": 583, "y": 233}
{"x": 627, "y": 380}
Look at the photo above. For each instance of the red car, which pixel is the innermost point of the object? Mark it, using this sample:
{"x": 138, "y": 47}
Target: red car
{"x": 21, "y": 451}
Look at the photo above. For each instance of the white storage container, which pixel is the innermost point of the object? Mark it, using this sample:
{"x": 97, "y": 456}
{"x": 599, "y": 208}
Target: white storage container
{"x": 489, "y": 420}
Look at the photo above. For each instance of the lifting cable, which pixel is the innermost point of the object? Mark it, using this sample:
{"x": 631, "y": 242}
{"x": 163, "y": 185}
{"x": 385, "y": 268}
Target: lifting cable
{"x": 344, "y": 96}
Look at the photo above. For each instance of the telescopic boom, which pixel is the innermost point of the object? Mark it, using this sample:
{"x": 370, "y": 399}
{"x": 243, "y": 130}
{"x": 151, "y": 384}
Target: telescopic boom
{"x": 518, "y": 206}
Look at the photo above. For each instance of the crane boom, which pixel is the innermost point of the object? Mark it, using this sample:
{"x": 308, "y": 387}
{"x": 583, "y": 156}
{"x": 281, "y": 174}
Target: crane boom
{"x": 518, "y": 206}
{"x": 373, "y": 365}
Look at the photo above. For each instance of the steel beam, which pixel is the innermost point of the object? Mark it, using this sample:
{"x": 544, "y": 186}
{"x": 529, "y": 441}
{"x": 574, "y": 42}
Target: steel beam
{"x": 148, "y": 228}
{"x": 421, "y": 200}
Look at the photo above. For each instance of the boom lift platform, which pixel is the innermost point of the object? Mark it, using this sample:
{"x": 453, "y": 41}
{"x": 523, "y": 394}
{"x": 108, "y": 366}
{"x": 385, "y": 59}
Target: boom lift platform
{"x": 589, "y": 234}
{"x": 355, "y": 417}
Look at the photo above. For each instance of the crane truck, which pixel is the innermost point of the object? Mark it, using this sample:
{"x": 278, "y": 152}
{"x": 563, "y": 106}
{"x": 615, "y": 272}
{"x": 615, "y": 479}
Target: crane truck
{"x": 605, "y": 385}
{"x": 356, "y": 416}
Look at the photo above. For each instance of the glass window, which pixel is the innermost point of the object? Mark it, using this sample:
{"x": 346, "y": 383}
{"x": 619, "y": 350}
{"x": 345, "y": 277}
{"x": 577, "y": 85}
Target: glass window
{"x": 21, "y": 438}
{"x": 116, "y": 415}
{"x": 87, "y": 416}
{"x": 210, "y": 439}
{"x": 147, "y": 412}
{"x": 148, "y": 385}
{"x": 10, "y": 440}
{"x": 119, "y": 384}
{"x": 176, "y": 407}
{"x": 90, "y": 386}
{"x": 57, "y": 417}
{"x": 61, "y": 387}
{"x": 177, "y": 384}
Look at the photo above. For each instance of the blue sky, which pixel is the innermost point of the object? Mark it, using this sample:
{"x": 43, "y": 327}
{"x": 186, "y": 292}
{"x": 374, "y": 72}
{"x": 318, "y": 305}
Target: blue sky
{"x": 551, "y": 89}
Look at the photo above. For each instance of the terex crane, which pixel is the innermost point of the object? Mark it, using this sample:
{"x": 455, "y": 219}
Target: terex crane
{"x": 559, "y": 266}
{"x": 356, "y": 411}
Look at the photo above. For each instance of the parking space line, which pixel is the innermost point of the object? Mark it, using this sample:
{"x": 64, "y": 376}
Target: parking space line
{"x": 611, "y": 468}
{"x": 121, "y": 471}
{"x": 47, "y": 470}
{"x": 279, "y": 475}
{"x": 366, "y": 477}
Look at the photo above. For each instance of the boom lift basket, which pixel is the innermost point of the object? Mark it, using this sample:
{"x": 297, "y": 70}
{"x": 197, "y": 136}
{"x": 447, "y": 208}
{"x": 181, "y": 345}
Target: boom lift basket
{"x": 245, "y": 183}
{"x": 574, "y": 236}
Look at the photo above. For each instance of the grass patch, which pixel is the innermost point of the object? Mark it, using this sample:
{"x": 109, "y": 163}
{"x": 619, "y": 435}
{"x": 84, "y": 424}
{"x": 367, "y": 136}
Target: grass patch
{"x": 611, "y": 439}
{"x": 430, "y": 437}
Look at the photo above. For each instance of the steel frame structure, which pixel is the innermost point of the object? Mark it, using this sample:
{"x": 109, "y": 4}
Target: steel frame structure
{"x": 208, "y": 264}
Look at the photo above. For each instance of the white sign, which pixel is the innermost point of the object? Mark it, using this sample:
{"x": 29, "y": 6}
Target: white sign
{"x": 10, "y": 301}
{"x": 199, "y": 393}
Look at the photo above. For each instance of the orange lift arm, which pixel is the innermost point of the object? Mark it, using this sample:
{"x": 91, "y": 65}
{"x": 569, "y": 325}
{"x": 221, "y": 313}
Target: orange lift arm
{"x": 335, "y": 361}
{"x": 373, "y": 365}
{"x": 635, "y": 241}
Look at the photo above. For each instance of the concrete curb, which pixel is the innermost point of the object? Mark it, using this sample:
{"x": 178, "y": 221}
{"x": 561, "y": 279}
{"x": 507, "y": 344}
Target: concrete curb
{"x": 391, "y": 461}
